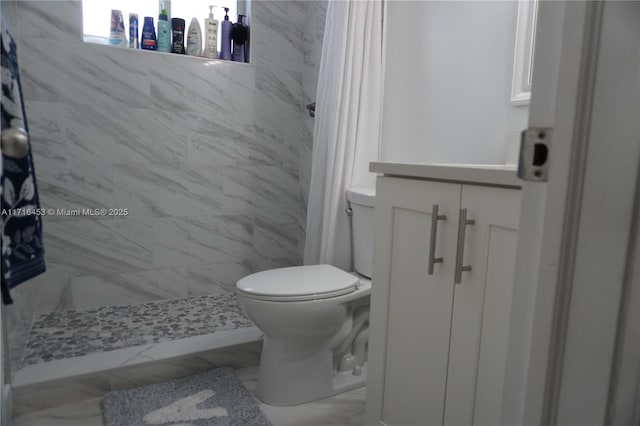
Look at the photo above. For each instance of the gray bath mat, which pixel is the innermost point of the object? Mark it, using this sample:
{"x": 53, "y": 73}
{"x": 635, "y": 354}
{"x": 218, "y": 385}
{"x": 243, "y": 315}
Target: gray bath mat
{"x": 216, "y": 397}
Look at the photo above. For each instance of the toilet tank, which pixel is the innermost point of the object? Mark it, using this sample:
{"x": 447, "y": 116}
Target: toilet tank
{"x": 361, "y": 201}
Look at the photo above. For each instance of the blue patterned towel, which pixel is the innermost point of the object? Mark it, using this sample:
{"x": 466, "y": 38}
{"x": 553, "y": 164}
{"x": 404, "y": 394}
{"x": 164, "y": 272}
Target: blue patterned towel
{"x": 22, "y": 250}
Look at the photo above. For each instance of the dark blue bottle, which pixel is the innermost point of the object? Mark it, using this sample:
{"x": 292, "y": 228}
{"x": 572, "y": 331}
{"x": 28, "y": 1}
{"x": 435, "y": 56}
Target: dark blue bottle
{"x": 149, "y": 34}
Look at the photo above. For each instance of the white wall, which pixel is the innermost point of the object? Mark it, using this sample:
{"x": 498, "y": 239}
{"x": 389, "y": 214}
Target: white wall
{"x": 448, "y": 81}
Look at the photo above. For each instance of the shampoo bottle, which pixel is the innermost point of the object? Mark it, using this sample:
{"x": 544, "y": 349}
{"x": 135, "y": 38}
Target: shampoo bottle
{"x": 149, "y": 34}
{"x": 164, "y": 32}
{"x": 225, "y": 42}
{"x": 239, "y": 35}
{"x": 177, "y": 44}
{"x": 194, "y": 39}
{"x": 211, "y": 36}
{"x": 134, "y": 42}
{"x": 117, "y": 36}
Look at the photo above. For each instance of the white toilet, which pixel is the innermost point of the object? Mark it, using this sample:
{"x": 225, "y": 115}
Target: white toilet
{"x": 315, "y": 319}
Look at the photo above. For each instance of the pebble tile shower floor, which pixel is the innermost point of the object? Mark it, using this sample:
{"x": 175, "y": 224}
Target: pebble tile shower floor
{"x": 73, "y": 333}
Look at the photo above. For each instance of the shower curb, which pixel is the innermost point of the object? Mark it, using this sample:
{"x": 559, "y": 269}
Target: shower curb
{"x": 60, "y": 382}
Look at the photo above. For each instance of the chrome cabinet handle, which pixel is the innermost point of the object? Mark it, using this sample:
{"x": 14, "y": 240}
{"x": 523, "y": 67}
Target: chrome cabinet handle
{"x": 432, "y": 243}
{"x": 462, "y": 226}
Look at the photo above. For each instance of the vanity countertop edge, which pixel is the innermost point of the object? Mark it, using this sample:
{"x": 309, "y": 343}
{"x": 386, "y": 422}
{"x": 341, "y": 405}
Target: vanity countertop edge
{"x": 478, "y": 174}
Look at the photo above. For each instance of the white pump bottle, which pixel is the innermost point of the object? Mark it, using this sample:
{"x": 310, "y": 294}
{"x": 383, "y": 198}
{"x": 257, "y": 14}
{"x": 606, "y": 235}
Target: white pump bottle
{"x": 211, "y": 36}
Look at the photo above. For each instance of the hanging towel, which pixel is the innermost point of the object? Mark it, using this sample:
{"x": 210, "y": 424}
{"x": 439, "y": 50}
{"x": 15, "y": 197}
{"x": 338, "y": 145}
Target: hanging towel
{"x": 22, "y": 249}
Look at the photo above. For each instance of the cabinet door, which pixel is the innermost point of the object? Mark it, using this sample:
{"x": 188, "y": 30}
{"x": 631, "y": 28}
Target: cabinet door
{"x": 411, "y": 310}
{"x": 481, "y": 307}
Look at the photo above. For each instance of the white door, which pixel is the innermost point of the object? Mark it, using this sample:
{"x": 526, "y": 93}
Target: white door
{"x": 575, "y": 260}
{"x": 410, "y": 347}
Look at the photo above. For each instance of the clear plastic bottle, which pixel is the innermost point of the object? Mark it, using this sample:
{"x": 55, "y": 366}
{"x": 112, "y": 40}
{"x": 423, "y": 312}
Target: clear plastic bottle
{"x": 164, "y": 32}
{"x": 166, "y": 6}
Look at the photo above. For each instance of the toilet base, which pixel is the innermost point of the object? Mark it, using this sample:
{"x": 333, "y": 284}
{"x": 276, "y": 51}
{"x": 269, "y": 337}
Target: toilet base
{"x": 292, "y": 376}
{"x": 346, "y": 381}
{"x": 342, "y": 382}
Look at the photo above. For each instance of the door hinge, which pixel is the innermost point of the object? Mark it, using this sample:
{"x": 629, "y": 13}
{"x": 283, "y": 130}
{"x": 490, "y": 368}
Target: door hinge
{"x": 533, "y": 164}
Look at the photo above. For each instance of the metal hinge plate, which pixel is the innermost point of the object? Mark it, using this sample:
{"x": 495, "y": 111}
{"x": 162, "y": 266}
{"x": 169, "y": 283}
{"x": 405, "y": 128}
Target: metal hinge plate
{"x": 533, "y": 164}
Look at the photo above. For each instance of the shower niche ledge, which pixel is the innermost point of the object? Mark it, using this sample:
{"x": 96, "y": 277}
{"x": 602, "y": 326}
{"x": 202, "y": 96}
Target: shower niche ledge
{"x": 100, "y": 41}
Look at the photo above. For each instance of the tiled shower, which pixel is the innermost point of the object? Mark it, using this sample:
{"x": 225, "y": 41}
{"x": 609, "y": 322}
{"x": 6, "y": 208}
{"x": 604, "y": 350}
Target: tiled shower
{"x": 211, "y": 159}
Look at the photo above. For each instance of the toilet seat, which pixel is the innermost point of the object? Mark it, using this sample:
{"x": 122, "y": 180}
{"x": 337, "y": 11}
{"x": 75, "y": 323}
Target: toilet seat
{"x": 298, "y": 283}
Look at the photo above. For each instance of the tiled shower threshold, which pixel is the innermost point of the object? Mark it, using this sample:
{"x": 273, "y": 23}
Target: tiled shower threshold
{"x": 65, "y": 344}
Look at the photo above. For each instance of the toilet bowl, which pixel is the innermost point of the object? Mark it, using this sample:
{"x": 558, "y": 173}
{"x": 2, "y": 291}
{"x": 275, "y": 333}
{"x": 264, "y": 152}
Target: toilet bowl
{"x": 314, "y": 319}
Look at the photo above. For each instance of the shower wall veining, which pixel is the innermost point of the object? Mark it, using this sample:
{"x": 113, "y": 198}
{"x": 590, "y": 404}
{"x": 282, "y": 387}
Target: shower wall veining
{"x": 211, "y": 159}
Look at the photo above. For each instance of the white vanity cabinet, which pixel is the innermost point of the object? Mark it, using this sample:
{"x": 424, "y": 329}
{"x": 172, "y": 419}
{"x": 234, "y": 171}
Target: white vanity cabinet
{"x": 437, "y": 349}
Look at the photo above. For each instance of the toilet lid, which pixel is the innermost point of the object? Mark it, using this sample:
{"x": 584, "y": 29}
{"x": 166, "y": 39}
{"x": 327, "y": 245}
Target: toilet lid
{"x": 299, "y": 283}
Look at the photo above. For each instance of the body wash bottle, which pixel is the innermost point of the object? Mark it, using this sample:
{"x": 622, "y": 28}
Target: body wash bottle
{"x": 177, "y": 37}
{"x": 164, "y": 32}
{"x": 211, "y": 36}
{"x": 194, "y": 39}
{"x": 225, "y": 42}
{"x": 149, "y": 34}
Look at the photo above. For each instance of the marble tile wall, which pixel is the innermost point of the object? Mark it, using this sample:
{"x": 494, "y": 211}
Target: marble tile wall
{"x": 206, "y": 157}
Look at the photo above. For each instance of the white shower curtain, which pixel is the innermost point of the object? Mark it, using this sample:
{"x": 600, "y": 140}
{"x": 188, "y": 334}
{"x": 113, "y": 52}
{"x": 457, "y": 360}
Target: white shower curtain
{"x": 347, "y": 125}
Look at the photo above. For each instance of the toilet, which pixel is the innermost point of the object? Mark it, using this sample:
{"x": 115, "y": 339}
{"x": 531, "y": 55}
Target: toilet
{"x": 315, "y": 319}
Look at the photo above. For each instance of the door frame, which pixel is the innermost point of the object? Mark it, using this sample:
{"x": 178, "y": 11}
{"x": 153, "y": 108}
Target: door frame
{"x": 6, "y": 401}
{"x": 552, "y": 337}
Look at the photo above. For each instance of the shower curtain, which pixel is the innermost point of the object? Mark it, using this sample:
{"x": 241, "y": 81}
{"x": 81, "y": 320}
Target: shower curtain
{"x": 347, "y": 125}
